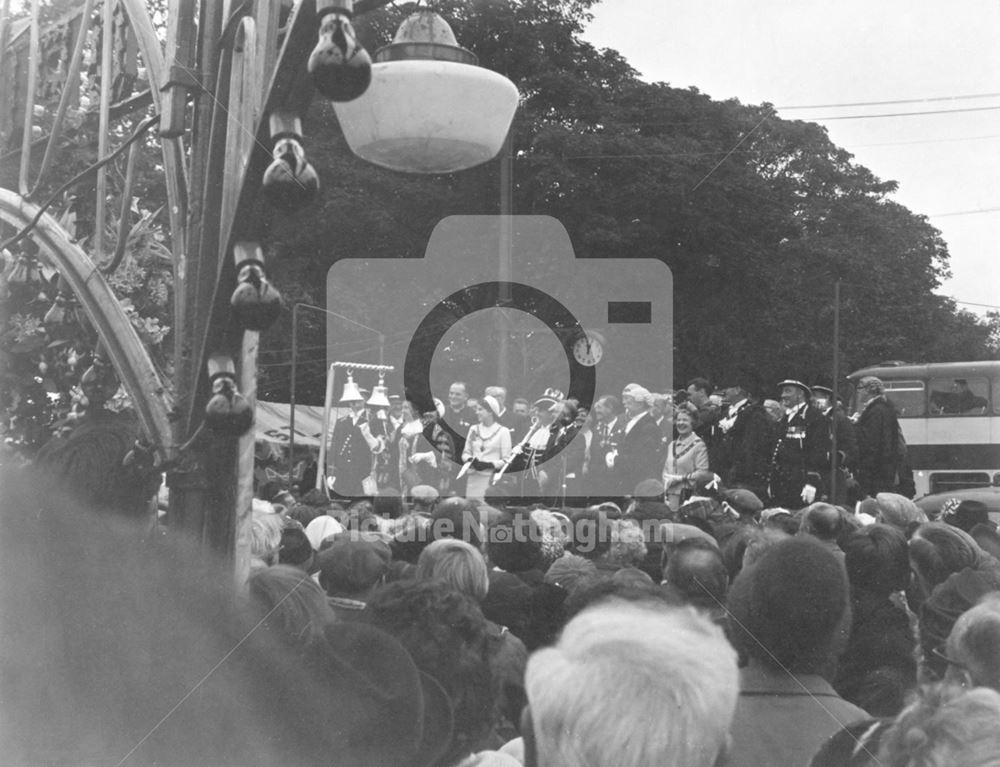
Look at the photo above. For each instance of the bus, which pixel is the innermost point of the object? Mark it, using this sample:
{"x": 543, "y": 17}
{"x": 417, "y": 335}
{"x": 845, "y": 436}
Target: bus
{"x": 949, "y": 413}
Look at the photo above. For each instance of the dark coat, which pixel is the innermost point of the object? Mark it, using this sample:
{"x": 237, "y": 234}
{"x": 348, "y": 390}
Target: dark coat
{"x": 601, "y": 482}
{"x": 878, "y": 668}
{"x": 638, "y": 453}
{"x": 799, "y": 458}
{"x": 351, "y": 457}
{"x": 747, "y": 450}
{"x": 877, "y": 453}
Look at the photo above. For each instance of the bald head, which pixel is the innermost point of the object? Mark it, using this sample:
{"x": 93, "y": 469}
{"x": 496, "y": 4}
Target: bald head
{"x": 822, "y": 521}
{"x": 696, "y": 573}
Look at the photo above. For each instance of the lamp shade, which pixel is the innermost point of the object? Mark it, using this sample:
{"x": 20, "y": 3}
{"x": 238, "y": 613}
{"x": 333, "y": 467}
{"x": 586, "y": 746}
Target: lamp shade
{"x": 429, "y": 116}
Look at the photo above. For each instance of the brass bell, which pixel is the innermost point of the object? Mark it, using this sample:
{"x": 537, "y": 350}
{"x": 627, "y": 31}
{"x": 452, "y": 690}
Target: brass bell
{"x": 380, "y": 398}
{"x": 351, "y": 391}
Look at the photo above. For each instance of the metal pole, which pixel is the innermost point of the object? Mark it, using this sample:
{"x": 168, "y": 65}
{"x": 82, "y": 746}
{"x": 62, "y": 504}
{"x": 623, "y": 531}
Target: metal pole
{"x": 325, "y": 436}
{"x": 836, "y": 389}
{"x": 503, "y": 323}
{"x": 291, "y": 394}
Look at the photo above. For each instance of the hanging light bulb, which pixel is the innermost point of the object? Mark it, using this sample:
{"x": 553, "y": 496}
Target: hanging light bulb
{"x": 256, "y": 303}
{"x": 290, "y": 182}
{"x": 340, "y": 67}
{"x": 57, "y": 314}
{"x": 227, "y": 413}
{"x": 351, "y": 391}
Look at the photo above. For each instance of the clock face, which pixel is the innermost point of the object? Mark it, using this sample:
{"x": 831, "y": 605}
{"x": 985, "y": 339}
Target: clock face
{"x": 588, "y": 351}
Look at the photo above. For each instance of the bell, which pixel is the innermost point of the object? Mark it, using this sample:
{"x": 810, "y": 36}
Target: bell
{"x": 379, "y": 398}
{"x": 351, "y": 392}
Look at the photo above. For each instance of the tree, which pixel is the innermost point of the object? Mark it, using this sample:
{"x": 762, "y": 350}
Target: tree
{"x": 756, "y": 216}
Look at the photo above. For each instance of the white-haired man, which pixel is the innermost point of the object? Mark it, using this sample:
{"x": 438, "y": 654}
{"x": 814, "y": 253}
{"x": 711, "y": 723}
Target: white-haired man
{"x": 631, "y": 684}
{"x": 638, "y": 455}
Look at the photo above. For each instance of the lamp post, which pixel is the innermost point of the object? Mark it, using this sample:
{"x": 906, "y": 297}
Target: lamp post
{"x": 423, "y": 106}
{"x": 295, "y": 356}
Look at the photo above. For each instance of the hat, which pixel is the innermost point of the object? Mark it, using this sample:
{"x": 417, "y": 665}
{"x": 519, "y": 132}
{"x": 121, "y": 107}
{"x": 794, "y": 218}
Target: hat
{"x": 567, "y": 571}
{"x": 395, "y": 398}
{"x": 648, "y": 488}
{"x": 353, "y": 565}
{"x": 769, "y": 514}
{"x": 898, "y": 511}
{"x": 549, "y": 397}
{"x": 374, "y": 670}
{"x": 745, "y": 502}
{"x": 491, "y": 402}
{"x": 424, "y": 493}
{"x": 816, "y": 389}
{"x": 797, "y": 384}
{"x": 967, "y": 515}
{"x": 321, "y": 528}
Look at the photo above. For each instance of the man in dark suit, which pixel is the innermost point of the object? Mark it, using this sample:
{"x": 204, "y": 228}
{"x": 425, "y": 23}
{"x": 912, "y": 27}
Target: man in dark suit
{"x": 638, "y": 450}
{"x": 800, "y": 458}
{"x": 877, "y": 426}
{"x": 350, "y": 451}
{"x": 747, "y": 441}
{"x": 607, "y": 432}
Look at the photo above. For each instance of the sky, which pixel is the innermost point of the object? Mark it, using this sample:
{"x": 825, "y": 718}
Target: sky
{"x": 809, "y": 53}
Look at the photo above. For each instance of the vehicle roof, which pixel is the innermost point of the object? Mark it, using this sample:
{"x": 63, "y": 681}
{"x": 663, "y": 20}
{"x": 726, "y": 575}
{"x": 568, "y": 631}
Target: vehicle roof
{"x": 987, "y": 495}
{"x": 927, "y": 370}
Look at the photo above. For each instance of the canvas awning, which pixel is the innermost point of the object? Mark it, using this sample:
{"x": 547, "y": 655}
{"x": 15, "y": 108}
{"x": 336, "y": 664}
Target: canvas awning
{"x": 271, "y": 423}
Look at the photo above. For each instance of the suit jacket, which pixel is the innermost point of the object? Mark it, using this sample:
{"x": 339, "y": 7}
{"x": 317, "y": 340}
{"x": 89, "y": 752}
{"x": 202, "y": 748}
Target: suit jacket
{"x": 877, "y": 454}
{"x": 800, "y": 458}
{"x": 350, "y": 455}
{"x": 747, "y": 449}
{"x": 638, "y": 454}
{"x": 601, "y": 482}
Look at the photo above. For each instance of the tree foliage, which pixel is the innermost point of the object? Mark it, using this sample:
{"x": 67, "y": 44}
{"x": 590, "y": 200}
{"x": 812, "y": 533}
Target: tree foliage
{"x": 756, "y": 216}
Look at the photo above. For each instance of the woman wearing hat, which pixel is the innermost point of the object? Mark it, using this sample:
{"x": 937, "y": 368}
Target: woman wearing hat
{"x": 486, "y": 448}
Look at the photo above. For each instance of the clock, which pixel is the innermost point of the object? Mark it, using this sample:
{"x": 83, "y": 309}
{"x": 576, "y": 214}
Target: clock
{"x": 588, "y": 351}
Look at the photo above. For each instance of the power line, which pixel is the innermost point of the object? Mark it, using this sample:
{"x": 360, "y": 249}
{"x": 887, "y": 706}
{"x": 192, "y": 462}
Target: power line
{"x": 900, "y": 114}
{"x": 896, "y": 101}
{"x": 963, "y": 212}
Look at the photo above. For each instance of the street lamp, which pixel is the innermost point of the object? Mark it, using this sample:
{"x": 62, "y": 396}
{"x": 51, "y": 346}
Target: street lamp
{"x": 430, "y": 108}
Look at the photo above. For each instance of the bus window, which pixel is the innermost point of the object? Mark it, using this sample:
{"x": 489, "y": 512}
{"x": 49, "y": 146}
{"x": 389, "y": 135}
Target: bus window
{"x": 959, "y": 396}
{"x": 906, "y": 396}
{"x": 996, "y": 396}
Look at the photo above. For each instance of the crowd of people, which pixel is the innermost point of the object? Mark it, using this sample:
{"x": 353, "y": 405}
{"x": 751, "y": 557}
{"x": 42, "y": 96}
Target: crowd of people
{"x": 724, "y": 609}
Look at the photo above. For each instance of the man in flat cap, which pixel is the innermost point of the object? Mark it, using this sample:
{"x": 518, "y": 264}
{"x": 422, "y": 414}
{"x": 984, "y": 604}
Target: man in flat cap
{"x": 800, "y": 456}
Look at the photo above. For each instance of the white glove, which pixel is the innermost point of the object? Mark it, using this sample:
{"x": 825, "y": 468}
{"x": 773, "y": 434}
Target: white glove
{"x": 609, "y": 459}
{"x": 808, "y": 494}
{"x": 672, "y": 479}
